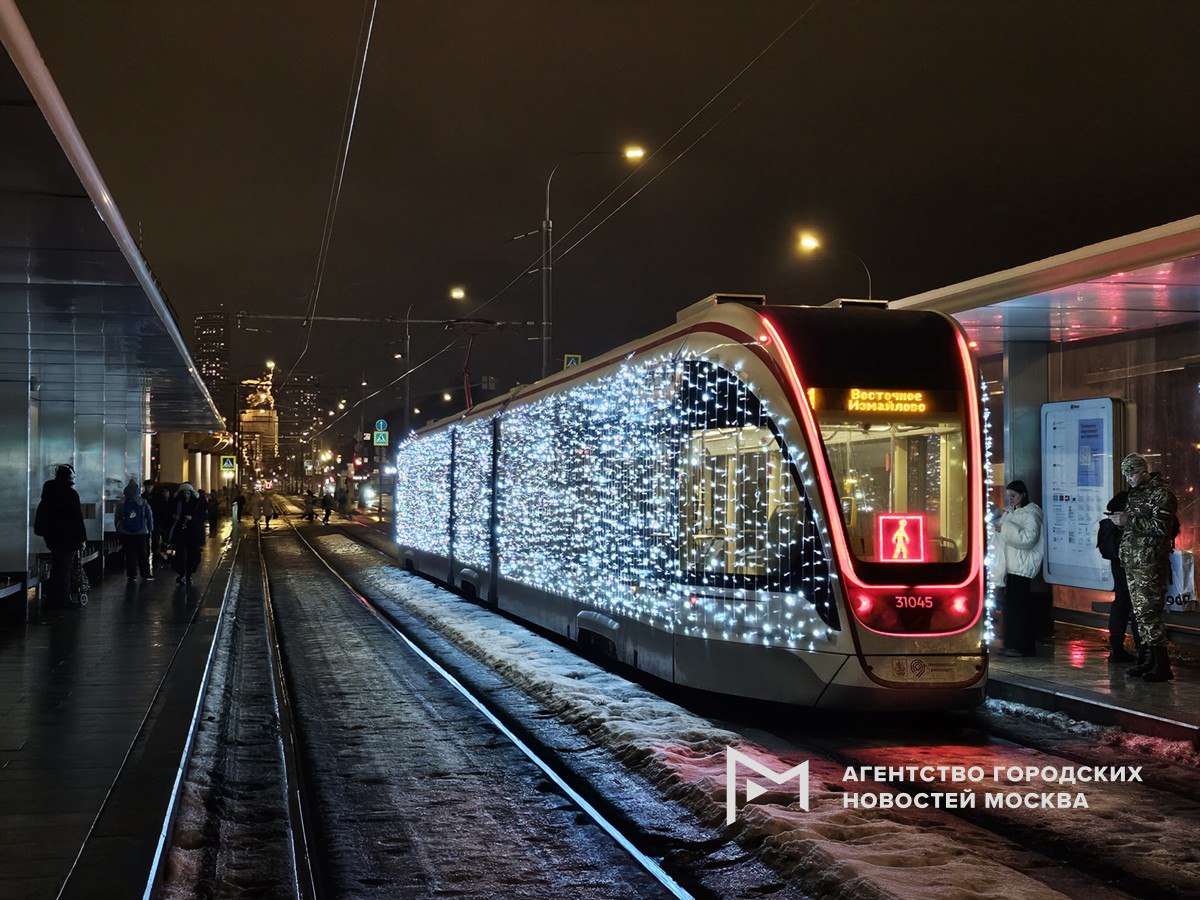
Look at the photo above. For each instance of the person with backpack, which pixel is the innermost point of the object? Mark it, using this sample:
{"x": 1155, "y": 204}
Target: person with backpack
{"x": 1148, "y": 522}
{"x": 134, "y": 523}
{"x": 1120, "y": 614}
{"x": 187, "y": 532}
{"x": 59, "y": 521}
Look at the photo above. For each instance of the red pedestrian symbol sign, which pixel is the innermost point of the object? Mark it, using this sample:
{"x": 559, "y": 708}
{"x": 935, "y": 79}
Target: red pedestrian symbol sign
{"x": 900, "y": 537}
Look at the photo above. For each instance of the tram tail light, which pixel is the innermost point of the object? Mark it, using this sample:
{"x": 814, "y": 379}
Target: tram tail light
{"x": 959, "y": 605}
{"x": 864, "y": 604}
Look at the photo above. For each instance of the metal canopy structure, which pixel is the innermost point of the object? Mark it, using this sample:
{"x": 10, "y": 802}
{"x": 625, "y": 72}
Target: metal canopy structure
{"x": 91, "y": 358}
{"x": 1149, "y": 279}
{"x": 80, "y": 315}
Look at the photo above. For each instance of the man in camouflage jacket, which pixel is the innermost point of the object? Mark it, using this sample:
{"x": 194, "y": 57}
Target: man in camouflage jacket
{"x": 1145, "y": 553}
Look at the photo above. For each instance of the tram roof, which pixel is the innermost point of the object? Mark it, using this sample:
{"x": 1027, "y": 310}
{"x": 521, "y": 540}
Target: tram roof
{"x": 81, "y": 309}
{"x": 1148, "y": 279}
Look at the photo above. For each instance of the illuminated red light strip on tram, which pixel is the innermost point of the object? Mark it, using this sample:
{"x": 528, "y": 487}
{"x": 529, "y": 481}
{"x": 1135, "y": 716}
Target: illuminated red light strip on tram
{"x": 817, "y": 452}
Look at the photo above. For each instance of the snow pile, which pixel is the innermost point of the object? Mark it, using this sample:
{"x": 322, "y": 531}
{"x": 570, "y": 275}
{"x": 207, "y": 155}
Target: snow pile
{"x": 831, "y": 850}
{"x": 1008, "y": 710}
{"x": 1183, "y": 753}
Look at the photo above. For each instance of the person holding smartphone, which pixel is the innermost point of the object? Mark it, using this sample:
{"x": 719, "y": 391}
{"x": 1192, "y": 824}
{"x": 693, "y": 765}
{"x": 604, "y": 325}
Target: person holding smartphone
{"x": 1020, "y": 529}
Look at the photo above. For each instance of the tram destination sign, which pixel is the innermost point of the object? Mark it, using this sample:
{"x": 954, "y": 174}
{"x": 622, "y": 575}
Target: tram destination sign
{"x": 889, "y": 402}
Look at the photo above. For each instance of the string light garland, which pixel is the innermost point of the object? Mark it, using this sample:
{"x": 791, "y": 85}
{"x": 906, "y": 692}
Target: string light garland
{"x": 661, "y": 492}
{"x": 991, "y": 516}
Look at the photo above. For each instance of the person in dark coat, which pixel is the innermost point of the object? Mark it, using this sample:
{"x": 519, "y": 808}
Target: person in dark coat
{"x": 59, "y": 521}
{"x": 187, "y": 532}
{"x": 1120, "y": 614}
{"x": 326, "y": 507}
{"x": 133, "y": 521}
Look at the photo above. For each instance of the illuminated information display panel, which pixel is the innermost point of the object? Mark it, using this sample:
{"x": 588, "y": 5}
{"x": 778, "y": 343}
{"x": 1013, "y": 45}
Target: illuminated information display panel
{"x": 1078, "y": 474}
{"x": 883, "y": 403}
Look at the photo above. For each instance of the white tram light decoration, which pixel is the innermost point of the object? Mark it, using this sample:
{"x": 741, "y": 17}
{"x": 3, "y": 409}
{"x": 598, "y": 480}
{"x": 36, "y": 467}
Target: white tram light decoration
{"x": 783, "y": 503}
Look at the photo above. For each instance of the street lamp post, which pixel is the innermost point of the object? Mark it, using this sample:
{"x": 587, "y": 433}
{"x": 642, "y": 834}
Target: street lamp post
{"x": 809, "y": 242}
{"x": 548, "y": 251}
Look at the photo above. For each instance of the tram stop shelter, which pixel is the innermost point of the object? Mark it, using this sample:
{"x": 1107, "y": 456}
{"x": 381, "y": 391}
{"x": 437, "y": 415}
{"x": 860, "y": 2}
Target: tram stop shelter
{"x": 1120, "y": 321}
{"x": 92, "y": 361}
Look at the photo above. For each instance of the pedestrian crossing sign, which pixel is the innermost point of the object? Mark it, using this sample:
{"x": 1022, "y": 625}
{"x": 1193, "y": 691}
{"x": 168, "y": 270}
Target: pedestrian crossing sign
{"x": 228, "y": 463}
{"x": 381, "y": 439}
{"x": 572, "y": 359}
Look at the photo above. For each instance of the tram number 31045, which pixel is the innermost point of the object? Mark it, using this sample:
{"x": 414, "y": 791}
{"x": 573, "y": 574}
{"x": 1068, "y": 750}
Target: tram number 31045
{"x": 907, "y": 601}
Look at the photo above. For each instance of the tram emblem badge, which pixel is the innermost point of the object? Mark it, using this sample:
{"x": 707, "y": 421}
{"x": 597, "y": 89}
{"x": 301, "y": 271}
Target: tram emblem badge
{"x": 734, "y": 758}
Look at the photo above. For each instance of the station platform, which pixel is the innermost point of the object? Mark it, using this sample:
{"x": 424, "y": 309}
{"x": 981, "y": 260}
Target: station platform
{"x": 96, "y": 705}
{"x": 1070, "y": 674}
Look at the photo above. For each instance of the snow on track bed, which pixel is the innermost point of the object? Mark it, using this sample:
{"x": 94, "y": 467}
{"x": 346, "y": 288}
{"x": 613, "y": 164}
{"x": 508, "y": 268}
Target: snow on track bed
{"x": 417, "y": 795}
{"x": 828, "y": 851}
{"x": 1128, "y": 834}
{"x": 231, "y": 835}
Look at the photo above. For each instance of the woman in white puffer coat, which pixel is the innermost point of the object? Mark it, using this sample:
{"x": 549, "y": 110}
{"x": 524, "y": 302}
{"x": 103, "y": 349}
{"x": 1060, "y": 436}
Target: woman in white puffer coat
{"x": 1020, "y": 552}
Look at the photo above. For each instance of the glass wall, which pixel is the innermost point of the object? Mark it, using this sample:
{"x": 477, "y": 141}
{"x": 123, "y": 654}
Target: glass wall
{"x": 1157, "y": 374}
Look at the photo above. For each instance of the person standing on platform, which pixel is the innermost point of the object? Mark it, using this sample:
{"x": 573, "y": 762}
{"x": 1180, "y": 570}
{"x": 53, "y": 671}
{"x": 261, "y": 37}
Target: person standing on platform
{"x": 59, "y": 521}
{"x": 187, "y": 532}
{"x": 255, "y": 506}
{"x": 134, "y": 523}
{"x": 310, "y": 505}
{"x": 1120, "y": 615}
{"x": 1146, "y": 557}
{"x": 326, "y": 506}
{"x": 1020, "y": 530}
{"x": 268, "y": 509}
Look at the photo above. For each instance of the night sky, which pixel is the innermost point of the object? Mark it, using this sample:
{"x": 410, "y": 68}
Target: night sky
{"x": 938, "y": 141}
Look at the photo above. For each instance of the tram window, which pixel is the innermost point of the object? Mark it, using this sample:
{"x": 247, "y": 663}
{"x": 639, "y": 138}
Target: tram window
{"x": 903, "y": 487}
{"x": 740, "y": 513}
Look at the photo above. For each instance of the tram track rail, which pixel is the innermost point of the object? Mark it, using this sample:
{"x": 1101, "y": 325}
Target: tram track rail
{"x": 588, "y": 803}
{"x": 1070, "y": 857}
{"x": 307, "y": 867}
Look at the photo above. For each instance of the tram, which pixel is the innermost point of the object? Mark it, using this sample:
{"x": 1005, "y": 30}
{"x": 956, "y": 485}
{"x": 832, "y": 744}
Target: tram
{"x": 776, "y": 502}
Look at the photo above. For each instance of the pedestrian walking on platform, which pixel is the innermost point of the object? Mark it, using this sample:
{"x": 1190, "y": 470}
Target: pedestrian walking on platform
{"x": 134, "y": 523}
{"x": 326, "y": 506}
{"x": 1148, "y": 523}
{"x": 255, "y": 507}
{"x": 268, "y": 509}
{"x": 187, "y": 532}
{"x": 1120, "y": 614}
{"x": 1020, "y": 529}
{"x": 59, "y": 521}
{"x": 310, "y": 505}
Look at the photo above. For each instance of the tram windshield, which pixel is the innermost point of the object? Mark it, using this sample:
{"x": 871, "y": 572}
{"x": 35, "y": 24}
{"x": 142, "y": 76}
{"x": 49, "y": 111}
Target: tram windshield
{"x": 898, "y": 460}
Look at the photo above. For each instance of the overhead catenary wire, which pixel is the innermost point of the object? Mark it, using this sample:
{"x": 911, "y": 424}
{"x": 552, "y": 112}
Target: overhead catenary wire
{"x": 335, "y": 190}
{"x": 531, "y": 268}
